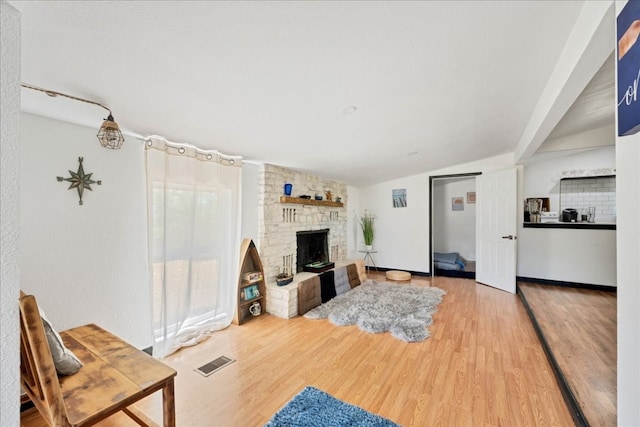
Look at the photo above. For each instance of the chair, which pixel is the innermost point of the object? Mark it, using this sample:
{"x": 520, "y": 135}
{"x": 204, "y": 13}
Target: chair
{"x": 115, "y": 375}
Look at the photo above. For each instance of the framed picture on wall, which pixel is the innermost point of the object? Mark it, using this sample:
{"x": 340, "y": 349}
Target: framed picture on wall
{"x": 399, "y": 197}
{"x": 457, "y": 203}
{"x": 471, "y": 197}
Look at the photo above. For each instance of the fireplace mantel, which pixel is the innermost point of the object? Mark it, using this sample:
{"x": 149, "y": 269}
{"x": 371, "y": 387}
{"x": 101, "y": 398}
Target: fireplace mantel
{"x": 301, "y": 201}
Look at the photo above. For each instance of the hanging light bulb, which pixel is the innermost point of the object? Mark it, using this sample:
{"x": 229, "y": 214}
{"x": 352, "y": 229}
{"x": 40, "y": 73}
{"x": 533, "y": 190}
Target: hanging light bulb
{"x": 109, "y": 134}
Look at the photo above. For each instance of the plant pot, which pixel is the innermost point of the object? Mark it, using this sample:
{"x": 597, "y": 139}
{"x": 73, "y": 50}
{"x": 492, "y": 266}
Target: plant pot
{"x": 368, "y": 247}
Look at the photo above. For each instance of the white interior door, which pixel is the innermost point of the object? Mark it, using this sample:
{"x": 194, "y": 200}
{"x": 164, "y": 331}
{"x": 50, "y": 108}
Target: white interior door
{"x": 496, "y": 229}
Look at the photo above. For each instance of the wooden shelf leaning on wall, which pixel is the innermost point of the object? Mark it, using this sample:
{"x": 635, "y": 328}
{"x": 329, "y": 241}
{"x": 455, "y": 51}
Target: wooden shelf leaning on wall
{"x": 250, "y": 263}
{"x": 300, "y": 201}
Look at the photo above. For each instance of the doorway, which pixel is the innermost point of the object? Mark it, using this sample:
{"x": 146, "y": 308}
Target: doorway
{"x": 453, "y": 225}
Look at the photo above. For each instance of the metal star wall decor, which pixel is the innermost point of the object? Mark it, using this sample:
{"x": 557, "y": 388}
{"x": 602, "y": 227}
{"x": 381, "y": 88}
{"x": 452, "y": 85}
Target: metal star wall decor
{"x": 80, "y": 180}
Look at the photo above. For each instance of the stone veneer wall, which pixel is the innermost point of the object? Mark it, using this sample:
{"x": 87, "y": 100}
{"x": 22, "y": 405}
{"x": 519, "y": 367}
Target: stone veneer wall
{"x": 279, "y": 222}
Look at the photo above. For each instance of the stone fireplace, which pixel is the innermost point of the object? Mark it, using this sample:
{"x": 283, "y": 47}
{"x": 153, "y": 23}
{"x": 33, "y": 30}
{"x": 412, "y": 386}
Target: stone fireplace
{"x": 312, "y": 246}
{"x": 280, "y": 224}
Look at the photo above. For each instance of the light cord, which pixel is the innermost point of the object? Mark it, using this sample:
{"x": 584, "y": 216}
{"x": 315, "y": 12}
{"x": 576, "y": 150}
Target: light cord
{"x": 54, "y": 93}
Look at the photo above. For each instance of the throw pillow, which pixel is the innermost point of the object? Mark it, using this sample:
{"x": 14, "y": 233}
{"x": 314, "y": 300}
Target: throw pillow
{"x": 65, "y": 361}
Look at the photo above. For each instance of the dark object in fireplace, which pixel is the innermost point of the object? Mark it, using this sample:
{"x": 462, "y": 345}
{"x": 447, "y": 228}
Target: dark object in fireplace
{"x": 318, "y": 267}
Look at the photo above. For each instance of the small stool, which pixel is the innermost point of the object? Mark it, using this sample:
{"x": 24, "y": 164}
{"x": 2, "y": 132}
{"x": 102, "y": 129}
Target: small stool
{"x": 399, "y": 276}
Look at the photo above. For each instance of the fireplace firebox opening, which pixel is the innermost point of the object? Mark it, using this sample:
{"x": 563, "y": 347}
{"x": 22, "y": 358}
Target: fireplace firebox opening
{"x": 312, "y": 247}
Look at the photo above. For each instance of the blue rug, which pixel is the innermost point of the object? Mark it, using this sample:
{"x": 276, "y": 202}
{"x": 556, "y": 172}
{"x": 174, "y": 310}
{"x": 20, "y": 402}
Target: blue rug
{"x": 315, "y": 408}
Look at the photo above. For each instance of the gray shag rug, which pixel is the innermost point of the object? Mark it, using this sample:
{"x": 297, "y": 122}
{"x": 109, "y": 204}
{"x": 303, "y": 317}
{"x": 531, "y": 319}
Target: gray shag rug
{"x": 376, "y": 307}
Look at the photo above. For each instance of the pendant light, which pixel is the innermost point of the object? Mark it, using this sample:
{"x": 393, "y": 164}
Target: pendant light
{"x": 109, "y": 133}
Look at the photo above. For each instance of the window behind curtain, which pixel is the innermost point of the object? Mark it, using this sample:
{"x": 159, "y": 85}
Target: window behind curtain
{"x": 193, "y": 243}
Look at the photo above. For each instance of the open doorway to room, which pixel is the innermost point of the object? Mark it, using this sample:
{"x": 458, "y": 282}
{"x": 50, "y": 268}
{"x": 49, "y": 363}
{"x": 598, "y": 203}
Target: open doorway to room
{"x": 453, "y": 225}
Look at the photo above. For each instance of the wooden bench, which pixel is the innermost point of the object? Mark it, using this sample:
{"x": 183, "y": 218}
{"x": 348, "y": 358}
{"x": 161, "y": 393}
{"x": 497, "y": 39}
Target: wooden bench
{"x": 114, "y": 376}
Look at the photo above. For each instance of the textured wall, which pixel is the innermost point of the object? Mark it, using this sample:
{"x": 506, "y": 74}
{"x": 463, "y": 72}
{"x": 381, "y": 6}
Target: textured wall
{"x": 9, "y": 213}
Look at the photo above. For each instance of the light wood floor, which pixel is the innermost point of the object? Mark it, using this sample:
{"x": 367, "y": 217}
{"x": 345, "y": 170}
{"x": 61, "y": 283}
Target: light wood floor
{"x": 483, "y": 365}
{"x": 580, "y": 327}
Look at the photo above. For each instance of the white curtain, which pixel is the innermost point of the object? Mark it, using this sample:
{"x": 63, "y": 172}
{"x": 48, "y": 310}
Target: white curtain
{"x": 194, "y": 241}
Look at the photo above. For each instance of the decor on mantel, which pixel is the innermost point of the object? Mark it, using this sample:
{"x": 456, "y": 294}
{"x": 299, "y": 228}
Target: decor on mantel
{"x": 109, "y": 134}
{"x": 80, "y": 180}
{"x": 366, "y": 224}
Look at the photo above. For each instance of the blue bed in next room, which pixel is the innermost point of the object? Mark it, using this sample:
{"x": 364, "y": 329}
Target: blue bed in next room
{"x": 451, "y": 264}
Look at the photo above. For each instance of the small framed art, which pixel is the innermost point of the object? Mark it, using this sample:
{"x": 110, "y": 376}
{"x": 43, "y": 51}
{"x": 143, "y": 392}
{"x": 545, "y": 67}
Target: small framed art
{"x": 457, "y": 203}
{"x": 471, "y": 197}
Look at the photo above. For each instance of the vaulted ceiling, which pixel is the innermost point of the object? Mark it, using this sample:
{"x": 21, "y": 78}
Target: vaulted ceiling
{"x": 433, "y": 83}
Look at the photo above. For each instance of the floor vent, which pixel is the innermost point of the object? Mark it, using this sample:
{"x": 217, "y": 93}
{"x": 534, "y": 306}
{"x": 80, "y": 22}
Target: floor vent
{"x": 209, "y": 368}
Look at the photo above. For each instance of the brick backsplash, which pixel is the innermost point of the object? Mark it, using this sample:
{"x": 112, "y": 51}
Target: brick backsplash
{"x": 279, "y": 222}
{"x": 598, "y": 192}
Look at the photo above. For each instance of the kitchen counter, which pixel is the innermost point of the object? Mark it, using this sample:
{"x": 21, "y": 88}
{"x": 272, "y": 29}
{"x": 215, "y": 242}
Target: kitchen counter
{"x": 573, "y": 225}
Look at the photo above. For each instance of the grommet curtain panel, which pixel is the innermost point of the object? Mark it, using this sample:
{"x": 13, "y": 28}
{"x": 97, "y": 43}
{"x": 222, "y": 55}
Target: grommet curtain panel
{"x": 193, "y": 202}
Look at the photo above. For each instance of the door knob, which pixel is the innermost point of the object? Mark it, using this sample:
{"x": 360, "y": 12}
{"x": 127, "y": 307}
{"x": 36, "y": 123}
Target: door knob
{"x": 510, "y": 237}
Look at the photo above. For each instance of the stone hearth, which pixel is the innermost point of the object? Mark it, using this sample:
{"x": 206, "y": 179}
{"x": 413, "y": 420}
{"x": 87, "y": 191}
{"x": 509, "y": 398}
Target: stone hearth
{"x": 282, "y": 301}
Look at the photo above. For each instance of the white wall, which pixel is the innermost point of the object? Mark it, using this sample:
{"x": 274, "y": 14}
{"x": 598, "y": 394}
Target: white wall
{"x": 402, "y": 234}
{"x": 85, "y": 264}
{"x": 354, "y": 234}
{"x": 9, "y": 214}
{"x": 250, "y": 200}
{"x": 454, "y": 231}
{"x": 568, "y": 255}
{"x": 628, "y": 209}
{"x": 580, "y": 256}
{"x": 598, "y": 137}
{"x": 628, "y": 187}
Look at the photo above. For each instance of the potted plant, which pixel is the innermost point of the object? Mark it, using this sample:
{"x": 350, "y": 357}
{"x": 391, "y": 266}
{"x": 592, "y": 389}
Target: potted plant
{"x": 366, "y": 223}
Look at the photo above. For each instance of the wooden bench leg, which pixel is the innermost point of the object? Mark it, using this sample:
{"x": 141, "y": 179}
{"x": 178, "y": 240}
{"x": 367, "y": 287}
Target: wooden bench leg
{"x": 139, "y": 417}
{"x": 168, "y": 404}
